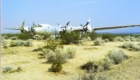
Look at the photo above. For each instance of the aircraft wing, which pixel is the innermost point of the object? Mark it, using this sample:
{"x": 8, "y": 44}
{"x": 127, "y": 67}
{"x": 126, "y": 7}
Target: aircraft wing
{"x": 77, "y": 29}
{"x": 14, "y": 28}
{"x": 114, "y": 27}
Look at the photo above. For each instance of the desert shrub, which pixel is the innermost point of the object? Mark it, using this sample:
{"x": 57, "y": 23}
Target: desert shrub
{"x": 103, "y": 77}
{"x": 70, "y": 37}
{"x": 44, "y": 35}
{"x": 52, "y": 44}
{"x": 39, "y": 38}
{"x": 7, "y": 69}
{"x": 127, "y": 38}
{"x": 60, "y": 52}
{"x": 49, "y": 55}
{"x": 92, "y": 76}
{"x": 138, "y": 38}
{"x": 106, "y": 40}
{"x": 19, "y": 69}
{"x": 107, "y": 63}
{"x": 57, "y": 64}
{"x": 13, "y": 43}
{"x": 28, "y": 43}
{"x": 108, "y": 36}
{"x": 131, "y": 46}
{"x": 93, "y": 35}
{"x": 132, "y": 38}
{"x": 20, "y": 43}
{"x": 119, "y": 38}
{"x": 13, "y": 38}
{"x": 5, "y": 37}
{"x": 71, "y": 52}
{"x": 5, "y": 43}
{"x": 116, "y": 56}
{"x": 22, "y": 36}
{"x": 98, "y": 41}
{"x": 128, "y": 45}
{"x": 89, "y": 66}
{"x": 136, "y": 47}
{"x": 39, "y": 48}
{"x": 84, "y": 35}
{"x": 97, "y": 66}
{"x": 86, "y": 76}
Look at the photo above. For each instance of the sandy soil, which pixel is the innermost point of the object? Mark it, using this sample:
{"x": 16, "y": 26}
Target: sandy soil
{"x": 34, "y": 68}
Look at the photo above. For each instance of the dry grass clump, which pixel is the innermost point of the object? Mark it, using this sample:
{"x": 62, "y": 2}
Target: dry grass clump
{"x": 70, "y": 52}
{"x": 5, "y": 37}
{"x": 55, "y": 54}
{"x": 127, "y": 38}
{"x": 128, "y": 45}
{"x": 7, "y": 69}
{"x": 116, "y": 56}
{"x": 52, "y": 44}
{"x": 92, "y": 76}
{"x": 29, "y": 43}
{"x": 131, "y": 46}
{"x": 119, "y": 38}
{"x": 138, "y": 38}
{"x": 14, "y": 43}
{"x": 5, "y": 43}
{"x": 10, "y": 69}
{"x": 20, "y": 43}
{"x": 56, "y": 57}
{"x": 61, "y": 53}
{"x": 13, "y": 38}
{"x": 57, "y": 64}
{"x": 106, "y": 40}
{"x": 98, "y": 42}
{"x": 132, "y": 38}
{"x": 112, "y": 58}
{"x": 49, "y": 55}
{"x": 97, "y": 66}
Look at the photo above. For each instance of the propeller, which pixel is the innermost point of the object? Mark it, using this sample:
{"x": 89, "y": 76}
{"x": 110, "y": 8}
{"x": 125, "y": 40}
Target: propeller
{"x": 64, "y": 29}
{"x": 85, "y": 27}
{"x": 21, "y": 29}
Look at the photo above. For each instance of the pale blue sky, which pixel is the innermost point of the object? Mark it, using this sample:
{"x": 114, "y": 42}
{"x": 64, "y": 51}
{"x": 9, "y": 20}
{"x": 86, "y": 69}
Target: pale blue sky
{"x": 102, "y": 13}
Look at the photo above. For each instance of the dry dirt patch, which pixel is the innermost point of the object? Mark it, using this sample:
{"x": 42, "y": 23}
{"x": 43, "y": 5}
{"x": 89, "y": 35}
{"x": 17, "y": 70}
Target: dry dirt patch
{"x": 34, "y": 68}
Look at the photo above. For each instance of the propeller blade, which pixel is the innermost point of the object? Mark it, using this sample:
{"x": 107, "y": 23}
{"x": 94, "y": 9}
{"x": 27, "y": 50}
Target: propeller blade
{"x": 23, "y": 25}
{"x": 68, "y": 23}
{"x": 80, "y": 24}
{"x": 88, "y": 22}
{"x": 33, "y": 23}
{"x": 59, "y": 25}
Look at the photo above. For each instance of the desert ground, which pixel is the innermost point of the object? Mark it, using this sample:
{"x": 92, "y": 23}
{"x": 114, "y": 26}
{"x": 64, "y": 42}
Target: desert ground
{"x": 34, "y": 68}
